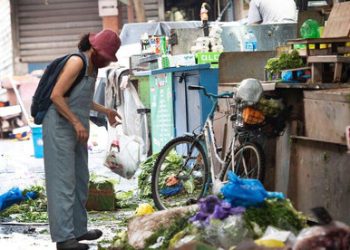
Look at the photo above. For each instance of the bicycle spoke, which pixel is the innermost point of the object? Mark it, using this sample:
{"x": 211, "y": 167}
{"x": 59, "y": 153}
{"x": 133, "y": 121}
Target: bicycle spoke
{"x": 248, "y": 163}
{"x": 181, "y": 178}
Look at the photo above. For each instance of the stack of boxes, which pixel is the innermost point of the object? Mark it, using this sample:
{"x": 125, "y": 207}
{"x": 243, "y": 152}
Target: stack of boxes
{"x": 208, "y": 49}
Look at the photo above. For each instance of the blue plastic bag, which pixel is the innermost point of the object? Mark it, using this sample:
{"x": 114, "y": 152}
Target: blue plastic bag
{"x": 246, "y": 192}
{"x": 31, "y": 195}
{"x": 170, "y": 191}
{"x": 13, "y": 196}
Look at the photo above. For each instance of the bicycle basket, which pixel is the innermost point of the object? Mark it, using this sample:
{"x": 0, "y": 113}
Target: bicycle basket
{"x": 252, "y": 116}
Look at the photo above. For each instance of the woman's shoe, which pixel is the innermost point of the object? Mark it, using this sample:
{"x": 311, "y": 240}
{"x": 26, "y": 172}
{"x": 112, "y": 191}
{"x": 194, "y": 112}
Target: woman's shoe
{"x": 91, "y": 235}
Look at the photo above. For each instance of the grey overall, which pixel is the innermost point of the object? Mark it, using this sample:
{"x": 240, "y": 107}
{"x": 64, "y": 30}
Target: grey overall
{"x": 66, "y": 165}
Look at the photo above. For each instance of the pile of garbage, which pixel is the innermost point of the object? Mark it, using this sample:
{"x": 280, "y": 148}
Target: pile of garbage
{"x": 28, "y": 205}
{"x": 244, "y": 216}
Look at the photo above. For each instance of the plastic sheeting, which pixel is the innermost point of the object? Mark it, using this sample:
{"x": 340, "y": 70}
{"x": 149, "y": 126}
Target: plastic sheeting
{"x": 132, "y": 32}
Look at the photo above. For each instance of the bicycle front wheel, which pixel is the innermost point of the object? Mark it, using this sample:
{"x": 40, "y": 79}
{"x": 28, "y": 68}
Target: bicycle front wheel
{"x": 180, "y": 174}
{"x": 249, "y": 162}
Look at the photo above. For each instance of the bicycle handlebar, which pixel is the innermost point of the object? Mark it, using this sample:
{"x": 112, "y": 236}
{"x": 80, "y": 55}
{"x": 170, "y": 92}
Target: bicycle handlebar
{"x": 225, "y": 94}
{"x": 195, "y": 87}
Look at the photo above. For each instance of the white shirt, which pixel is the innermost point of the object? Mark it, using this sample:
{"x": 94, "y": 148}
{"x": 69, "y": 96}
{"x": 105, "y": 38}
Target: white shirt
{"x": 272, "y": 11}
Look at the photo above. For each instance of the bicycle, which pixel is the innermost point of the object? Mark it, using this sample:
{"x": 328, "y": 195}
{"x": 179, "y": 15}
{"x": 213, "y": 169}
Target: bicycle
{"x": 181, "y": 172}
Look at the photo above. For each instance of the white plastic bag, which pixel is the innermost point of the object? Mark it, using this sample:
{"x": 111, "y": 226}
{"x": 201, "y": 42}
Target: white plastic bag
{"x": 125, "y": 155}
{"x": 133, "y": 123}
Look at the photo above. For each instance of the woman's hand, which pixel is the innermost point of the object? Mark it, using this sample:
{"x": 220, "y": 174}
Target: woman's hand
{"x": 81, "y": 131}
{"x": 114, "y": 118}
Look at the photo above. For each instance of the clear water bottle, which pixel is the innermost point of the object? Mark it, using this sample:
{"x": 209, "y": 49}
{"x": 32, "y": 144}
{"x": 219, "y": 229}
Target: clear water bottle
{"x": 239, "y": 115}
{"x": 249, "y": 42}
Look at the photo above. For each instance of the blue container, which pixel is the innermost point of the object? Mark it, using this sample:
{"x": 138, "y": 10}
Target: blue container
{"x": 37, "y": 135}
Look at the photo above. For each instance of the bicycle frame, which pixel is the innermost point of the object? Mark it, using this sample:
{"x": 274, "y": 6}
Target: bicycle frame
{"x": 209, "y": 136}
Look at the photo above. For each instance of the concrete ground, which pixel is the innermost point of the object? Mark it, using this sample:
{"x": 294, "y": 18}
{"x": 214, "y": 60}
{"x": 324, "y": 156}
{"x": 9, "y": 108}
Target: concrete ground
{"x": 19, "y": 167}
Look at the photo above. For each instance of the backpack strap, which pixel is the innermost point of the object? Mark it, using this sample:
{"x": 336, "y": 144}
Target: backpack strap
{"x": 82, "y": 72}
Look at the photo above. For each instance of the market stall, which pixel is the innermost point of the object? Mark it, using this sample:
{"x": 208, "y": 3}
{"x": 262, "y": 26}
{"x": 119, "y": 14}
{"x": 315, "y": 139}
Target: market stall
{"x": 310, "y": 158}
{"x": 178, "y": 54}
{"x": 299, "y": 121}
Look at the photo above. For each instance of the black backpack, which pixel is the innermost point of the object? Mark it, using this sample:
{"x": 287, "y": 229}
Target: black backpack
{"x": 41, "y": 100}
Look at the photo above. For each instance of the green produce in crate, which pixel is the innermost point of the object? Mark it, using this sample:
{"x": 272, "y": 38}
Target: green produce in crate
{"x": 274, "y": 66}
{"x": 101, "y": 196}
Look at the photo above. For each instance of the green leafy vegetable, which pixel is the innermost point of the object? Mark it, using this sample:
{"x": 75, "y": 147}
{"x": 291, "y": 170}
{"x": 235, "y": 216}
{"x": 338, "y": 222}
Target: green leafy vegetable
{"x": 171, "y": 167}
{"x": 270, "y": 107}
{"x": 127, "y": 200}
{"x": 189, "y": 185}
{"x": 119, "y": 242}
{"x": 28, "y": 210}
{"x": 292, "y": 60}
{"x": 179, "y": 224}
{"x": 144, "y": 179}
{"x": 101, "y": 195}
{"x": 277, "y": 213}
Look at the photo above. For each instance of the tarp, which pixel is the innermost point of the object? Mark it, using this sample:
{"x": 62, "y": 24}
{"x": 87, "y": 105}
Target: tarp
{"x": 132, "y": 32}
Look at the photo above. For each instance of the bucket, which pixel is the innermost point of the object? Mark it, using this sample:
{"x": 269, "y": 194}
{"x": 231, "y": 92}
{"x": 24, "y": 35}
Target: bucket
{"x": 38, "y": 143}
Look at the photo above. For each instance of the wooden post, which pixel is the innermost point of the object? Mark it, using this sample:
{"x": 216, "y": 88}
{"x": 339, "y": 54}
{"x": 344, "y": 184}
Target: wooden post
{"x": 140, "y": 10}
{"x": 109, "y": 11}
{"x": 316, "y": 73}
{"x": 111, "y": 22}
{"x": 338, "y": 66}
{"x": 161, "y": 11}
{"x": 131, "y": 16}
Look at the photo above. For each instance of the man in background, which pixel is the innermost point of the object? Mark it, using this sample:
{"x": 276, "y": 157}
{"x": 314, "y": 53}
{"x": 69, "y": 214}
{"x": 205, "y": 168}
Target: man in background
{"x": 272, "y": 11}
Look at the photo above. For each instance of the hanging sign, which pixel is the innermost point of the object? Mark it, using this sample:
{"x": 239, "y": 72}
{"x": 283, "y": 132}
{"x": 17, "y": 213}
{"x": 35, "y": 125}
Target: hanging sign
{"x": 108, "y": 8}
{"x": 162, "y": 113}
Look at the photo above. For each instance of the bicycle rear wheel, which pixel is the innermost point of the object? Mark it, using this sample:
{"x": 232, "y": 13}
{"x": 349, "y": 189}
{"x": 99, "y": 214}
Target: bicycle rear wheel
{"x": 180, "y": 174}
{"x": 249, "y": 162}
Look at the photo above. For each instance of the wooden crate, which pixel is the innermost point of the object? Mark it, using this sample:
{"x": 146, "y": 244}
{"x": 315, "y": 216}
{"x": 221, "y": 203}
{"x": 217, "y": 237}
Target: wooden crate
{"x": 338, "y": 24}
{"x": 101, "y": 197}
{"x": 318, "y": 64}
{"x": 321, "y": 46}
{"x": 327, "y": 113}
{"x": 320, "y": 176}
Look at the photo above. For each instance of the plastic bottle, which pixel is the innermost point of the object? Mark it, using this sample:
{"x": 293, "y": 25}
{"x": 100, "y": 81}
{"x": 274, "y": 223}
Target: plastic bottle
{"x": 249, "y": 42}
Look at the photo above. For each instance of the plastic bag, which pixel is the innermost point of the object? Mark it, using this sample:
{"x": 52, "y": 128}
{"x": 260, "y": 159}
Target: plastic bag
{"x": 125, "y": 155}
{"x": 310, "y": 29}
{"x": 227, "y": 233}
{"x": 13, "y": 196}
{"x": 144, "y": 208}
{"x": 250, "y": 91}
{"x": 246, "y": 192}
{"x": 274, "y": 237}
{"x": 133, "y": 122}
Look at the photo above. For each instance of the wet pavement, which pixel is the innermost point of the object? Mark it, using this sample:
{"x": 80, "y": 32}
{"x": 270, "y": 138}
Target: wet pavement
{"x": 35, "y": 236}
{"x": 19, "y": 168}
